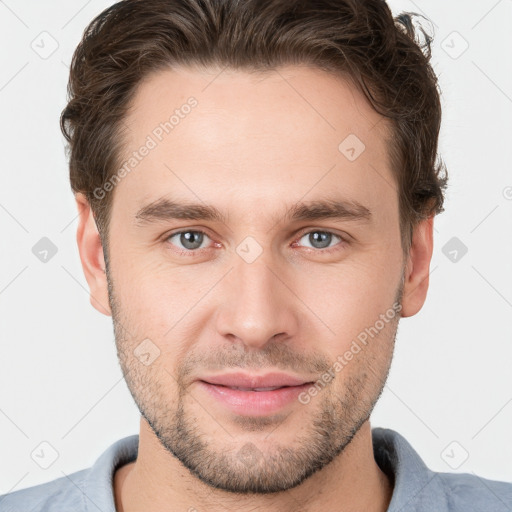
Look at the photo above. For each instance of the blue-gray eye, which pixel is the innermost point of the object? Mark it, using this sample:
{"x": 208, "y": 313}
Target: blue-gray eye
{"x": 320, "y": 239}
{"x": 189, "y": 240}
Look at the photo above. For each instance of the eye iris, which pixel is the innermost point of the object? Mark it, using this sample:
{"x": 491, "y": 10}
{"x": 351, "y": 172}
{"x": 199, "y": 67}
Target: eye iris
{"x": 191, "y": 239}
{"x": 320, "y": 236}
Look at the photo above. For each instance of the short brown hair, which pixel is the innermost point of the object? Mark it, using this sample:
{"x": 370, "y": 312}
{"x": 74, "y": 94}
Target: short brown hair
{"x": 360, "y": 39}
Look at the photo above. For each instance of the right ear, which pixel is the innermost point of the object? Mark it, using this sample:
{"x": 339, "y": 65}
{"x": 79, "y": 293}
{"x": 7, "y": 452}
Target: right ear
{"x": 91, "y": 255}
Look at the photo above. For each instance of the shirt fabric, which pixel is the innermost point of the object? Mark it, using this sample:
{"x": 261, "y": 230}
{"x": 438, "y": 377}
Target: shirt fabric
{"x": 416, "y": 487}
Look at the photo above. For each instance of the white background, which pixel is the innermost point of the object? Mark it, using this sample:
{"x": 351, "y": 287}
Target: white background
{"x": 451, "y": 378}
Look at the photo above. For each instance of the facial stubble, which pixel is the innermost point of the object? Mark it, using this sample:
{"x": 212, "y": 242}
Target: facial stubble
{"x": 263, "y": 464}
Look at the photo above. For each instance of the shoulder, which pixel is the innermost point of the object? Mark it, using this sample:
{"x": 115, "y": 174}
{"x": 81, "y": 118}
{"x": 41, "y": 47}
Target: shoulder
{"x": 87, "y": 489}
{"x": 64, "y": 493}
{"x": 470, "y": 492}
{"x": 418, "y": 488}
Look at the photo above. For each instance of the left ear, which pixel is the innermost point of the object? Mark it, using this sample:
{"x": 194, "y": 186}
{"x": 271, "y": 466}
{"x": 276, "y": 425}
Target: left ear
{"x": 418, "y": 268}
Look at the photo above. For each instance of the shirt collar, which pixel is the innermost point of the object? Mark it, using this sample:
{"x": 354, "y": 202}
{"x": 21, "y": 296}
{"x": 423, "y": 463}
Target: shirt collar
{"x": 99, "y": 485}
{"x": 416, "y": 487}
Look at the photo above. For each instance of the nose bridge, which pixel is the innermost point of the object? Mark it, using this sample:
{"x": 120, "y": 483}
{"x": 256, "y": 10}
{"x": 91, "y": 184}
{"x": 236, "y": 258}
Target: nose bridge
{"x": 258, "y": 305}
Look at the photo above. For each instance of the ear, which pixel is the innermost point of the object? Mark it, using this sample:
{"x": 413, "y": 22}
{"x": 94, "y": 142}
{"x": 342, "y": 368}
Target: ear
{"x": 91, "y": 256}
{"x": 417, "y": 268}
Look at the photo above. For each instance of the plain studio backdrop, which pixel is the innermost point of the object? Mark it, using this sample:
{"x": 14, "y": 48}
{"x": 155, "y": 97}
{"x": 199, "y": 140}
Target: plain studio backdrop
{"x": 61, "y": 389}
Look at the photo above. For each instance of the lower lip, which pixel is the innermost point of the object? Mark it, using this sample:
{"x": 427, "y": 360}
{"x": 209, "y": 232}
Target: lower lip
{"x": 254, "y": 403}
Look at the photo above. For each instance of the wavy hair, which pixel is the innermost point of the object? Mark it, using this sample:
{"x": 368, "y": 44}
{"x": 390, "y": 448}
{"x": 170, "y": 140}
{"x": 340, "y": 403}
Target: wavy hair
{"x": 386, "y": 57}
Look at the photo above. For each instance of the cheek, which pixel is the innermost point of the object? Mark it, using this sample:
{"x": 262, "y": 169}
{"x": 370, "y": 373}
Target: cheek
{"x": 142, "y": 282}
{"x": 164, "y": 305}
{"x": 350, "y": 297}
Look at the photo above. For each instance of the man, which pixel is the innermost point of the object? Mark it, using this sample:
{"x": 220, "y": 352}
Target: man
{"x": 256, "y": 184}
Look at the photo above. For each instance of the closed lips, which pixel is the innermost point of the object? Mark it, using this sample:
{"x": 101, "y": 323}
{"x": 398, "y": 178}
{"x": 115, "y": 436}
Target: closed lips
{"x": 253, "y": 389}
{"x": 248, "y": 382}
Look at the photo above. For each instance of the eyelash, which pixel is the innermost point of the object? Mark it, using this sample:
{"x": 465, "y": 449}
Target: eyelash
{"x": 343, "y": 241}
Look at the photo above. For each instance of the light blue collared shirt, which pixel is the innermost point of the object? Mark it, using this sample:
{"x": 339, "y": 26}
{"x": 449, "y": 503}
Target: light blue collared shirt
{"x": 416, "y": 487}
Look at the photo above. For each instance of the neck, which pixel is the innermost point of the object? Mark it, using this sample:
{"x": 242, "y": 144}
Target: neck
{"x": 158, "y": 481}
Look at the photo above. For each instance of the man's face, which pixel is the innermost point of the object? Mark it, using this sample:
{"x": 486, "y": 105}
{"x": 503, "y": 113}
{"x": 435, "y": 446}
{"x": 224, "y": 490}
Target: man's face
{"x": 259, "y": 291}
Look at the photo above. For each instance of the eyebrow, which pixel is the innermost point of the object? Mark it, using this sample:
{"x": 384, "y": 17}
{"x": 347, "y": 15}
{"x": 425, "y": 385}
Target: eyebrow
{"x": 165, "y": 209}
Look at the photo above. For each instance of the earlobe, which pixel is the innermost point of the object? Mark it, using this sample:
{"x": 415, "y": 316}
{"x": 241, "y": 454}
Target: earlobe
{"x": 91, "y": 255}
{"x": 417, "y": 269}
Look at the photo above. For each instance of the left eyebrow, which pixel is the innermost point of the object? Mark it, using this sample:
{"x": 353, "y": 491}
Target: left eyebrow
{"x": 328, "y": 209}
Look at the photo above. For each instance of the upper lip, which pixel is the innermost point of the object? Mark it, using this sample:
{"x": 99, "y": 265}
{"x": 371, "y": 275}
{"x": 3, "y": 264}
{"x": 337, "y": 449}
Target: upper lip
{"x": 245, "y": 380}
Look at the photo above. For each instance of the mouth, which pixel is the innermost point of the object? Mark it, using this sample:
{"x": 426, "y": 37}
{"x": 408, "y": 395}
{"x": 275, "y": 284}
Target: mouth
{"x": 270, "y": 388}
{"x": 256, "y": 399}
{"x": 250, "y": 382}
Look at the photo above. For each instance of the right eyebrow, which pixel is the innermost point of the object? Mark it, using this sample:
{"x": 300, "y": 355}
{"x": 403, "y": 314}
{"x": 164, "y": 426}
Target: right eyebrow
{"x": 164, "y": 209}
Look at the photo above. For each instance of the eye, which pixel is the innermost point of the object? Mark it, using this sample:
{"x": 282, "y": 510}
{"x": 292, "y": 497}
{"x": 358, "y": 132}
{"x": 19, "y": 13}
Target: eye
{"x": 188, "y": 241}
{"x": 321, "y": 239}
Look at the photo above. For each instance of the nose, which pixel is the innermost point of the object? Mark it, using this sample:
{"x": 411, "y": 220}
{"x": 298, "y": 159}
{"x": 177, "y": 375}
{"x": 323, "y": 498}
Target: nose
{"x": 257, "y": 305}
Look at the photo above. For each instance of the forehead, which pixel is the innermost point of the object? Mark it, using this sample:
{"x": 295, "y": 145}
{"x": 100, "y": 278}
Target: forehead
{"x": 253, "y": 139}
